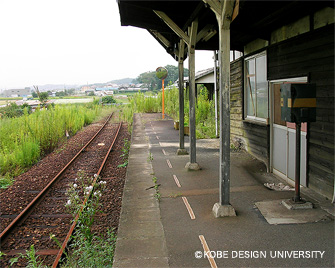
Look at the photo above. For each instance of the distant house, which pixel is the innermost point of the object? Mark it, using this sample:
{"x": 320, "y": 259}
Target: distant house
{"x": 107, "y": 88}
{"x": 113, "y": 85}
{"x": 14, "y": 93}
{"x": 86, "y": 88}
{"x": 33, "y": 103}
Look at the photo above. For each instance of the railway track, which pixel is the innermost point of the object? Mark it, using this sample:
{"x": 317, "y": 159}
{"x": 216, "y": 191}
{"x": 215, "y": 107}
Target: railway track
{"x": 47, "y": 213}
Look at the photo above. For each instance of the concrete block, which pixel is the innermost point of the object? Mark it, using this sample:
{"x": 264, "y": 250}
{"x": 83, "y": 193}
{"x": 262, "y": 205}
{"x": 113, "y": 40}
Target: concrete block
{"x": 223, "y": 210}
{"x": 182, "y": 152}
{"x": 192, "y": 166}
{"x": 290, "y": 204}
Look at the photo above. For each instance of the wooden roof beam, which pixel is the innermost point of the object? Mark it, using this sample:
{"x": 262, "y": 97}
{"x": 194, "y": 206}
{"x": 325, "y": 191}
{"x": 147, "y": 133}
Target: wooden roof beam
{"x": 215, "y": 5}
{"x": 170, "y": 47}
{"x": 159, "y": 36}
{"x": 206, "y": 33}
{"x": 193, "y": 33}
{"x": 173, "y": 26}
{"x": 194, "y": 15}
{"x": 220, "y": 8}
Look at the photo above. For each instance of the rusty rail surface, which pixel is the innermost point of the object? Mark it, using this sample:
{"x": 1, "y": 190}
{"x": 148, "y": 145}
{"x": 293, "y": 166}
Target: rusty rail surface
{"x": 28, "y": 209}
{"x": 73, "y": 226}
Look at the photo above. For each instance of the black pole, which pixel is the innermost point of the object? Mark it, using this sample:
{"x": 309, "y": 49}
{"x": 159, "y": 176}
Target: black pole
{"x": 181, "y": 100}
{"x": 297, "y": 162}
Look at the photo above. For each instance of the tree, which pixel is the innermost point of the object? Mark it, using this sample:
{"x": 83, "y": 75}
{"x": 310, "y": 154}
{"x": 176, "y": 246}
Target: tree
{"x": 108, "y": 99}
{"x": 154, "y": 83}
{"x": 60, "y": 94}
{"x": 173, "y": 74}
{"x": 34, "y": 94}
{"x": 43, "y": 97}
{"x": 148, "y": 78}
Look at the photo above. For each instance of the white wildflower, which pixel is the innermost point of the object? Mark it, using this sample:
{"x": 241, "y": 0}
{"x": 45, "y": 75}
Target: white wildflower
{"x": 97, "y": 193}
{"x": 95, "y": 175}
{"x": 75, "y": 186}
{"x": 68, "y": 203}
{"x": 75, "y": 179}
{"x": 88, "y": 189}
{"x": 102, "y": 182}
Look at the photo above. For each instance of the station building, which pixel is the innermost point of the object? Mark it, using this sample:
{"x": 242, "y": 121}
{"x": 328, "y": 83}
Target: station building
{"x": 281, "y": 42}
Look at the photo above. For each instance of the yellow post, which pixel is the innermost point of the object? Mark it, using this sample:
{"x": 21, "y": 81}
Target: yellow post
{"x": 163, "y": 99}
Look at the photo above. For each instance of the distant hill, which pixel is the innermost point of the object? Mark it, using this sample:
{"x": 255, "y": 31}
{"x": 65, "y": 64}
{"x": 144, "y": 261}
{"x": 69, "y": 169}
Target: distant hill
{"x": 122, "y": 81}
{"x": 56, "y": 87}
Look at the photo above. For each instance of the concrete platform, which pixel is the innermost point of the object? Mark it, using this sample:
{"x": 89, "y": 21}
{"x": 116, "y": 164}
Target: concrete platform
{"x": 140, "y": 240}
{"x": 181, "y": 228}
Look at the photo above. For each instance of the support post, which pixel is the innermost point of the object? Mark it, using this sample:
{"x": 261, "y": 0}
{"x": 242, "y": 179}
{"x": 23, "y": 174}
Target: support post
{"x": 216, "y": 86}
{"x": 181, "y": 150}
{"x": 223, "y": 11}
{"x": 297, "y": 202}
{"x": 190, "y": 40}
{"x": 192, "y": 165}
{"x": 163, "y": 112}
{"x": 297, "y": 197}
{"x": 224, "y": 58}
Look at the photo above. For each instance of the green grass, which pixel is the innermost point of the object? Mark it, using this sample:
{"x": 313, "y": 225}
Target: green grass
{"x": 152, "y": 103}
{"x": 5, "y": 182}
{"x": 24, "y": 140}
{"x": 16, "y": 98}
{"x": 88, "y": 248}
{"x": 70, "y": 97}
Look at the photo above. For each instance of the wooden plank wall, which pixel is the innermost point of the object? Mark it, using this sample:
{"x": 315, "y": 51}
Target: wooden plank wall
{"x": 250, "y": 136}
{"x": 312, "y": 55}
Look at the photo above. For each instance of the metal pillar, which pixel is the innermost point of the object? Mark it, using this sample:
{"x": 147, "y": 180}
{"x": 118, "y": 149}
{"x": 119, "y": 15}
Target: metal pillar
{"x": 223, "y": 11}
{"x": 163, "y": 112}
{"x": 224, "y": 60}
{"x": 192, "y": 165}
{"x": 181, "y": 150}
{"x": 297, "y": 197}
{"x": 192, "y": 105}
{"x": 216, "y": 86}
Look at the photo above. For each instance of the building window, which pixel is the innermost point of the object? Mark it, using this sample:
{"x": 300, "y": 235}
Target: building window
{"x": 256, "y": 87}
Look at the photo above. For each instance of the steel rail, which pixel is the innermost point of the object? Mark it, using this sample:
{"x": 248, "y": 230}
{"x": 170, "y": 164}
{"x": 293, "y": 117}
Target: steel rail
{"x": 73, "y": 226}
{"x": 28, "y": 209}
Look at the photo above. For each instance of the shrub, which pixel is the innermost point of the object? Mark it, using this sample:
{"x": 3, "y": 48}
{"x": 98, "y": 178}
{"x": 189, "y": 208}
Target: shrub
{"x": 108, "y": 99}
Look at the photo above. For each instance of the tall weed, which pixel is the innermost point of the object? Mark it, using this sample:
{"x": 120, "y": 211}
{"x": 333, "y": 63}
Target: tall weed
{"x": 24, "y": 140}
{"x": 205, "y": 117}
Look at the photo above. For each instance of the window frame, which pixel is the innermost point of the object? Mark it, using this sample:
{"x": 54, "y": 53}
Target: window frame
{"x": 245, "y": 90}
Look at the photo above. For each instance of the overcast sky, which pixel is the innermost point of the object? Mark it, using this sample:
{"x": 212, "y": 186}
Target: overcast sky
{"x": 74, "y": 42}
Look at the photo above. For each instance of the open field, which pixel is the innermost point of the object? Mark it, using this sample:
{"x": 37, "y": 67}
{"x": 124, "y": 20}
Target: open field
{"x": 5, "y": 101}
